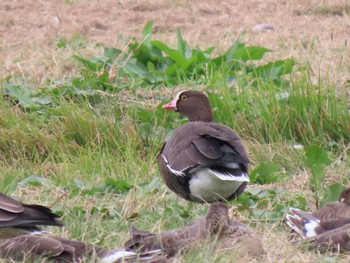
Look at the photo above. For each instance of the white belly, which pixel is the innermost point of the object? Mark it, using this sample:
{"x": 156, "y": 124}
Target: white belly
{"x": 207, "y": 186}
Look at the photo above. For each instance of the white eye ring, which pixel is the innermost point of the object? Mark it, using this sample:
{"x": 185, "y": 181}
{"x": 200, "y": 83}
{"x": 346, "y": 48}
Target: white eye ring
{"x": 183, "y": 97}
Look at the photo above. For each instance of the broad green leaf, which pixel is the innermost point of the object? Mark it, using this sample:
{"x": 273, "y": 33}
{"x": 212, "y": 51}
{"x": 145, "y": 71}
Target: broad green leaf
{"x": 42, "y": 100}
{"x": 250, "y": 53}
{"x": 147, "y": 33}
{"x": 229, "y": 54}
{"x": 316, "y": 155}
{"x": 88, "y": 63}
{"x": 265, "y": 173}
{"x": 121, "y": 185}
{"x": 111, "y": 53}
{"x": 333, "y": 193}
{"x": 208, "y": 51}
{"x": 172, "y": 53}
{"x": 155, "y": 184}
{"x": 20, "y": 93}
{"x": 275, "y": 69}
{"x": 35, "y": 181}
{"x": 182, "y": 45}
{"x": 133, "y": 67}
{"x": 104, "y": 77}
{"x": 253, "y": 190}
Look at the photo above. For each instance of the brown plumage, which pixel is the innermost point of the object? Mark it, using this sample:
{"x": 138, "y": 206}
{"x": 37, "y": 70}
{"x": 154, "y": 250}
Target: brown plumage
{"x": 328, "y": 227}
{"x": 203, "y": 161}
{"x": 21, "y": 237}
{"x": 18, "y": 219}
{"x": 217, "y": 227}
{"x": 335, "y": 239}
{"x": 57, "y": 249}
{"x": 335, "y": 211}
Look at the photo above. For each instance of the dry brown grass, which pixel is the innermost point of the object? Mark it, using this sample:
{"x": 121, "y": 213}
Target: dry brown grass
{"x": 30, "y": 29}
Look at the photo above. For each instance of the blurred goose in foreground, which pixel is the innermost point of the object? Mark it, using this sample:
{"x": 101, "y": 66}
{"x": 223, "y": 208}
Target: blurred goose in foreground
{"x": 217, "y": 229}
{"x": 328, "y": 227}
{"x": 203, "y": 161}
{"x": 18, "y": 219}
{"x": 22, "y": 238}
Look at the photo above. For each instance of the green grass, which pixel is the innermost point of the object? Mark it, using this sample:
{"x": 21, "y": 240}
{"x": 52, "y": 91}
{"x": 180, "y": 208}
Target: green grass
{"x": 91, "y": 151}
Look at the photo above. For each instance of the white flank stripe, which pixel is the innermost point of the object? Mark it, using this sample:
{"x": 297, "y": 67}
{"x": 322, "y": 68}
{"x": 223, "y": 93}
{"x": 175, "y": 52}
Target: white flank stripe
{"x": 310, "y": 228}
{"x": 229, "y": 177}
{"x": 117, "y": 255}
{"x": 176, "y": 172}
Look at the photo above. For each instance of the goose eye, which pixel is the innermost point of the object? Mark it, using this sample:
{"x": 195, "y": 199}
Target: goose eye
{"x": 183, "y": 97}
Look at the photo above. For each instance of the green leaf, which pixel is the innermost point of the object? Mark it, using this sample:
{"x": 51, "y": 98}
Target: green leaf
{"x": 147, "y": 34}
{"x": 111, "y": 53}
{"x": 275, "y": 69}
{"x": 265, "y": 173}
{"x": 333, "y": 193}
{"x": 253, "y": 190}
{"x": 134, "y": 68}
{"x": 182, "y": 45}
{"x": 121, "y": 185}
{"x": 79, "y": 183}
{"x": 89, "y": 64}
{"x": 155, "y": 184}
{"x": 229, "y": 54}
{"x": 316, "y": 158}
{"x": 250, "y": 53}
{"x": 34, "y": 180}
{"x": 20, "y": 93}
{"x": 42, "y": 100}
{"x": 316, "y": 155}
{"x": 175, "y": 55}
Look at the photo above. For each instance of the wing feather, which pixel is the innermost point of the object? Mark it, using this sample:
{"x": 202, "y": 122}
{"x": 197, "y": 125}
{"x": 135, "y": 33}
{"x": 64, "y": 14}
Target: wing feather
{"x": 211, "y": 144}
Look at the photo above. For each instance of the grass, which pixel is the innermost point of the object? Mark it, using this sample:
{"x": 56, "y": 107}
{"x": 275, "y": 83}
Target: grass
{"x": 92, "y": 157}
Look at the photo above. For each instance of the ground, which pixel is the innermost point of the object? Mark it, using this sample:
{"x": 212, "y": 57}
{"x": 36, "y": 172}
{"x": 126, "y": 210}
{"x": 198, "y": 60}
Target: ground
{"x": 314, "y": 32}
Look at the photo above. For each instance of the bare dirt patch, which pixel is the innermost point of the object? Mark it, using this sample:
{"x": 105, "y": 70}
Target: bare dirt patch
{"x": 311, "y": 31}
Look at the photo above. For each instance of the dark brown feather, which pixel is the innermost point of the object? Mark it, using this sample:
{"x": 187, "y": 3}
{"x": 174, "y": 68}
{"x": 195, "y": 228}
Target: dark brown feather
{"x": 336, "y": 239}
{"x": 17, "y": 218}
{"x": 56, "y": 249}
{"x": 202, "y": 147}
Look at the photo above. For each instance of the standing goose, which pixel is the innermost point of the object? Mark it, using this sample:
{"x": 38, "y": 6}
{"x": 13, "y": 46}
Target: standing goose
{"x": 22, "y": 238}
{"x": 328, "y": 226}
{"x": 203, "y": 161}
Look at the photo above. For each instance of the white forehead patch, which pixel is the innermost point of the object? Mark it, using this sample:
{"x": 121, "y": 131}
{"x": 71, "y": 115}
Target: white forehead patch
{"x": 177, "y": 96}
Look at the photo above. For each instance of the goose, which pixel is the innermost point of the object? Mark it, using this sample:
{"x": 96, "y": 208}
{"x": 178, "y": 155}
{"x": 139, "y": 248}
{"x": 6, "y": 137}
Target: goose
{"x": 328, "y": 226}
{"x": 203, "y": 161}
{"x": 21, "y": 237}
{"x": 217, "y": 227}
